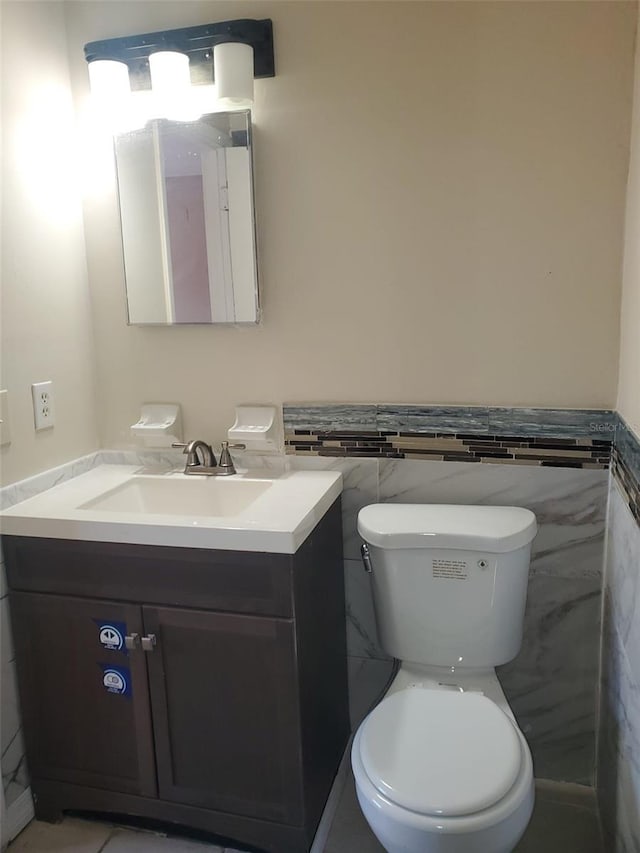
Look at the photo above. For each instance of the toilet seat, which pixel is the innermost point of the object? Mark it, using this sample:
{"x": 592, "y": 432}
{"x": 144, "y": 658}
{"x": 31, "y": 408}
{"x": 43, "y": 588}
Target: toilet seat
{"x": 440, "y": 752}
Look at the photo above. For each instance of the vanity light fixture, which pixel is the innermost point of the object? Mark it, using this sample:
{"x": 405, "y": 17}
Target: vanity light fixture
{"x": 229, "y": 54}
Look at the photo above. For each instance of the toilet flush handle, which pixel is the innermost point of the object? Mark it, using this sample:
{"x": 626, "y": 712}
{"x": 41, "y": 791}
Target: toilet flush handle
{"x": 366, "y": 558}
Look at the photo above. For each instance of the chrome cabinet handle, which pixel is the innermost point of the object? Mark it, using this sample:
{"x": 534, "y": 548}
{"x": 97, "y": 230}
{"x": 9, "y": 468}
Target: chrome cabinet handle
{"x": 132, "y": 641}
{"x": 149, "y": 643}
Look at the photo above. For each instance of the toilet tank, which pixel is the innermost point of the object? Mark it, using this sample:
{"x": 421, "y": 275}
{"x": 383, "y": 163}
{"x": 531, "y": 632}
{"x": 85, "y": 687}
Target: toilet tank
{"x": 449, "y": 582}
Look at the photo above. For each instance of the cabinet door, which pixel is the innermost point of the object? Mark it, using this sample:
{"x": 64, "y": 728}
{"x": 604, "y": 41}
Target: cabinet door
{"x": 85, "y": 702}
{"x": 225, "y": 712}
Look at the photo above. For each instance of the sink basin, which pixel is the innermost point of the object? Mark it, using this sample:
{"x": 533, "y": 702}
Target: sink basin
{"x": 260, "y": 510}
{"x": 194, "y": 496}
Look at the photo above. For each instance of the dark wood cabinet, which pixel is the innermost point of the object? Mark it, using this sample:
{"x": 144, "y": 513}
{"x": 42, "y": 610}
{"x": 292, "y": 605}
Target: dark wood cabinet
{"x": 225, "y": 712}
{"x": 79, "y": 731}
{"x": 228, "y": 711}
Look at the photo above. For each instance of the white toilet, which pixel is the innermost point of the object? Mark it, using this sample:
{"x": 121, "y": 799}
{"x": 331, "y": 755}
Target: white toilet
{"x": 440, "y": 764}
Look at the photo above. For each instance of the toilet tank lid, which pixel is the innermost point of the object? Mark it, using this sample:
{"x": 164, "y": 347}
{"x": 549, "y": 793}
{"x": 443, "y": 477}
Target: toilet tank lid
{"x": 497, "y": 529}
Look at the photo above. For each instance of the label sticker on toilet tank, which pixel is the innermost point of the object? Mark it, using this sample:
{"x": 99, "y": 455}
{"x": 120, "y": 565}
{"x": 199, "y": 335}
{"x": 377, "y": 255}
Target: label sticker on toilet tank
{"x": 450, "y": 569}
{"x": 116, "y": 679}
{"x": 111, "y": 634}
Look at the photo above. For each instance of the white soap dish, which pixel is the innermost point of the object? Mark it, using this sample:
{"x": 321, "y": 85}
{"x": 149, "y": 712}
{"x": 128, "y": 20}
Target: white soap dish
{"x": 160, "y": 424}
{"x": 258, "y": 428}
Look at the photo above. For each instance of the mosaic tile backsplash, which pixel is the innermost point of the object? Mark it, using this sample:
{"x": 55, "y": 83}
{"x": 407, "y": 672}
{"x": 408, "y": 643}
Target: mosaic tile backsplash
{"x": 560, "y": 438}
{"x": 626, "y": 466}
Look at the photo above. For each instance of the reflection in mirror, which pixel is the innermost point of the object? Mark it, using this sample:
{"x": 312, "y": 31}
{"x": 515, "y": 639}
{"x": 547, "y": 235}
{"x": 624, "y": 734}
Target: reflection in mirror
{"x": 187, "y": 215}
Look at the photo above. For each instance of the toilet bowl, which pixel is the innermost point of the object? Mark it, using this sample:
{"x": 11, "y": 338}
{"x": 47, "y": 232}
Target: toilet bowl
{"x": 440, "y": 764}
{"x": 443, "y": 771}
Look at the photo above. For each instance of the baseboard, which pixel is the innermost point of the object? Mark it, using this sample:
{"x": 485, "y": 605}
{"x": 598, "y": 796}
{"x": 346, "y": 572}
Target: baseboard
{"x": 331, "y": 806}
{"x": 19, "y": 814}
{"x": 567, "y": 793}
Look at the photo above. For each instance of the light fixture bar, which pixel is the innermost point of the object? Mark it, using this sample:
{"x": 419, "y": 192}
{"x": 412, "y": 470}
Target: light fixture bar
{"x": 196, "y": 42}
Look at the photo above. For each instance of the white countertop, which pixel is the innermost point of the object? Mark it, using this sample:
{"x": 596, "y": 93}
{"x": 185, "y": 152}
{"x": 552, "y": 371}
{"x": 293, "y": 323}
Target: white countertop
{"x": 277, "y": 521}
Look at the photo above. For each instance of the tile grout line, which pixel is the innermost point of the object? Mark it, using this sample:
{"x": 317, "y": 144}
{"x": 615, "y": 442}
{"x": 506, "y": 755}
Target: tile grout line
{"x": 108, "y": 839}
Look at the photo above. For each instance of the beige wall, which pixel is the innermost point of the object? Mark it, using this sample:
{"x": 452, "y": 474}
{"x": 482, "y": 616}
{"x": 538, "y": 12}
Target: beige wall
{"x": 440, "y": 198}
{"x": 629, "y": 385}
{"x": 46, "y": 320}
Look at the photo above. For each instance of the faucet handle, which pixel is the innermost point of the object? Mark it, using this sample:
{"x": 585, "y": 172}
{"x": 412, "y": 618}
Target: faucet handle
{"x": 225, "y": 464}
{"x": 183, "y": 444}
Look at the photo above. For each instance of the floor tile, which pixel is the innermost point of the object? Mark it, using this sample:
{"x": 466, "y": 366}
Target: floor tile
{"x": 561, "y": 828}
{"x": 70, "y": 836}
{"x": 126, "y": 841}
{"x": 350, "y": 831}
{"x": 564, "y": 821}
{"x": 556, "y": 827}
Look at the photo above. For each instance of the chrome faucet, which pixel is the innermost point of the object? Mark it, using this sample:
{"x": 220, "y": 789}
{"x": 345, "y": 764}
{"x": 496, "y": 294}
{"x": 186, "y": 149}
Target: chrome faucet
{"x": 191, "y": 448}
{"x": 201, "y": 458}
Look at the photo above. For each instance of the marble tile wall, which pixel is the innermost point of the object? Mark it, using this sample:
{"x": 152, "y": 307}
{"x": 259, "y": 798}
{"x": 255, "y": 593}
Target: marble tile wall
{"x": 360, "y": 487}
{"x": 618, "y": 778}
{"x": 552, "y": 684}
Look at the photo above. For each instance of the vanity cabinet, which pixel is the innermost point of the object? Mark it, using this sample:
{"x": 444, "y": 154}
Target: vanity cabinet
{"x": 232, "y": 718}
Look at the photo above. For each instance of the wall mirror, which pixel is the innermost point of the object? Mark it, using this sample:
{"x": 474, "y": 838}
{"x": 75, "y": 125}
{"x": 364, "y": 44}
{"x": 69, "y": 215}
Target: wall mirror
{"x": 187, "y": 216}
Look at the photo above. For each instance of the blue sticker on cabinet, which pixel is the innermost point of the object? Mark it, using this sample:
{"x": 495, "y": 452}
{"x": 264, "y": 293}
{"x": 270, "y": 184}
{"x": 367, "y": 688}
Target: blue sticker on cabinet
{"x": 116, "y": 679}
{"x": 111, "y": 635}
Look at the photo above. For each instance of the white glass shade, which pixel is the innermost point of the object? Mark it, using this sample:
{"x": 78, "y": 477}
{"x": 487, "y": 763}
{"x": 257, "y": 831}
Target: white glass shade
{"x": 233, "y": 74}
{"x": 112, "y": 106}
{"x": 109, "y": 81}
{"x": 169, "y": 72}
{"x": 171, "y": 86}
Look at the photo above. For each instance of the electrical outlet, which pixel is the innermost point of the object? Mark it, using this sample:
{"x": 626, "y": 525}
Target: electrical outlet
{"x": 5, "y": 431}
{"x": 43, "y": 410}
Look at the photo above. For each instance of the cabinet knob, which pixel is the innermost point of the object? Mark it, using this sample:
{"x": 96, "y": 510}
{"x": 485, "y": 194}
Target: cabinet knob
{"x": 149, "y": 642}
{"x": 132, "y": 641}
